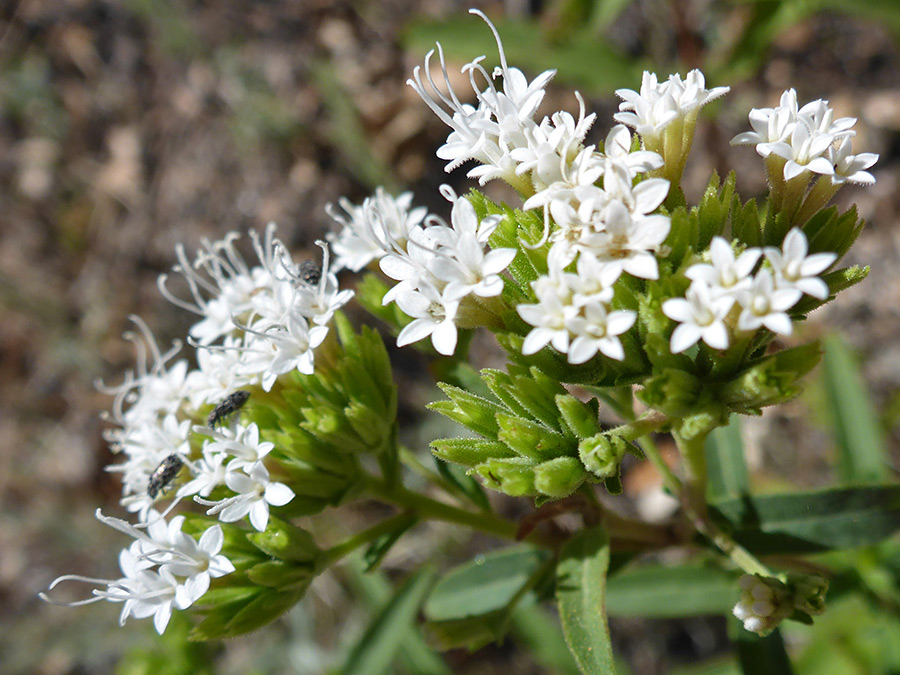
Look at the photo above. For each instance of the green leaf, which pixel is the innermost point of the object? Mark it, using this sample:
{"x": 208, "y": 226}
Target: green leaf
{"x": 810, "y": 522}
{"x": 375, "y": 651}
{"x": 487, "y": 584}
{"x": 726, "y": 465}
{"x": 659, "y": 591}
{"x": 467, "y": 486}
{"x": 581, "y": 599}
{"x": 861, "y": 450}
{"x": 534, "y": 629}
{"x": 374, "y": 591}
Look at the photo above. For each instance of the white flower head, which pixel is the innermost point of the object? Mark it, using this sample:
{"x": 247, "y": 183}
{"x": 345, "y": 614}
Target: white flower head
{"x": 700, "y": 316}
{"x": 726, "y": 274}
{"x": 794, "y": 269}
{"x": 765, "y": 305}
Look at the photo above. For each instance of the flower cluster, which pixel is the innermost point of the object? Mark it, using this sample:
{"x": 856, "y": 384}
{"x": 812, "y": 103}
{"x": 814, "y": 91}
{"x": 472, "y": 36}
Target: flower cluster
{"x": 256, "y": 324}
{"x": 724, "y": 299}
{"x": 807, "y": 139}
{"x": 443, "y": 270}
{"x": 163, "y": 568}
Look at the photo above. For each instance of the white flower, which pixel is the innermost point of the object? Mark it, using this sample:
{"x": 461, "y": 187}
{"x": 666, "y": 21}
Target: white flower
{"x": 433, "y": 315}
{"x": 550, "y": 316}
{"x": 795, "y": 270}
{"x": 659, "y": 104}
{"x": 701, "y": 316}
{"x": 282, "y": 349}
{"x": 725, "y": 275}
{"x": 255, "y": 493}
{"x": 596, "y": 330}
{"x": 805, "y": 152}
{"x": 764, "y": 602}
{"x": 765, "y": 305}
{"x": 848, "y": 167}
{"x": 243, "y": 445}
{"x": 464, "y": 266}
{"x": 370, "y": 230}
{"x": 627, "y": 243}
{"x": 163, "y": 568}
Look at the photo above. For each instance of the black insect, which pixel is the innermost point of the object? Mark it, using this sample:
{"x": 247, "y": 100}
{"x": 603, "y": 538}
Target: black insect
{"x": 163, "y": 475}
{"x": 310, "y": 272}
{"x": 231, "y": 404}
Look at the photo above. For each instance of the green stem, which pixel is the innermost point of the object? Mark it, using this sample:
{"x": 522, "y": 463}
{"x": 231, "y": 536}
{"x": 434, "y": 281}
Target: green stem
{"x": 431, "y": 509}
{"x": 409, "y": 459}
{"x": 671, "y": 482}
{"x": 335, "y": 553}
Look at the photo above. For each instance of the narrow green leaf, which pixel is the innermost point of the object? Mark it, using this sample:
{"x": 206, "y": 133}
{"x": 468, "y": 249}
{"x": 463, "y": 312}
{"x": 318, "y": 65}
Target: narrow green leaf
{"x": 861, "y": 451}
{"x": 375, "y": 651}
{"x": 375, "y": 591}
{"x": 659, "y": 591}
{"x": 581, "y": 599}
{"x": 809, "y": 522}
{"x": 487, "y": 584}
{"x": 727, "y": 467}
{"x": 467, "y": 486}
{"x": 541, "y": 634}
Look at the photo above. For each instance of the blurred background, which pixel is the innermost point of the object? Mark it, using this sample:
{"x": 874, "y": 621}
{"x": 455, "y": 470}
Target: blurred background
{"x": 128, "y": 127}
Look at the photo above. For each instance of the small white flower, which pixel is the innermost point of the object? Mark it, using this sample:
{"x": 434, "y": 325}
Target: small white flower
{"x": 550, "y": 316}
{"x": 255, "y": 493}
{"x": 282, "y": 349}
{"x": 849, "y": 168}
{"x": 243, "y": 445}
{"x": 765, "y": 305}
{"x": 597, "y": 330}
{"x": 369, "y": 230}
{"x": 796, "y": 270}
{"x": 701, "y": 316}
{"x": 433, "y": 315}
{"x": 726, "y": 275}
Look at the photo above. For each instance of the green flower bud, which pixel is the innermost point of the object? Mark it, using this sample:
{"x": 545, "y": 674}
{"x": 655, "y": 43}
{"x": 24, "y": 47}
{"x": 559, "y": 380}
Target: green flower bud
{"x": 672, "y": 392}
{"x": 530, "y": 439}
{"x": 513, "y": 476}
{"x": 281, "y": 575}
{"x": 774, "y": 379}
{"x": 469, "y": 451}
{"x": 475, "y": 412}
{"x": 559, "y": 477}
{"x": 809, "y": 593}
{"x": 581, "y": 418}
{"x": 285, "y": 541}
{"x": 601, "y": 454}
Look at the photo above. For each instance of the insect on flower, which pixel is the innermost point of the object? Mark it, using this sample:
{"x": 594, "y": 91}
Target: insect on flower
{"x": 231, "y": 404}
{"x": 310, "y": 272}
{"x": 163, "y": 475}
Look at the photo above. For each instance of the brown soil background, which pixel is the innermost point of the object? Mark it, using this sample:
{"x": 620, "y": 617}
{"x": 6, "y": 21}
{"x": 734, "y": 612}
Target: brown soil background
{"x": 128, "y": 127}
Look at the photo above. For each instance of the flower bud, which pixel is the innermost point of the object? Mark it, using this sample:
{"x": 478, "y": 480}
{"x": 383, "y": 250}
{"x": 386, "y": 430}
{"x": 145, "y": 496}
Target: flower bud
{"x": 764, "y": 603}
{"x": 601, "y": 454}
{"x": 285, "y": 541}
{"x": 559, "y": 477}
{"x": 581, "y": 418}
{"x": 772, "y": 380}
{"x": 530, "y": 439}
{"x": 513, "y": 476}
{"x": 672, "y": 392}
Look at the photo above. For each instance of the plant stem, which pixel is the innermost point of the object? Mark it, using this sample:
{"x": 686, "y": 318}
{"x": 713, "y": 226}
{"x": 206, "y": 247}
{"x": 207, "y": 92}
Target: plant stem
{"x": 671, "y": 482}
{"x": 431, "y": 509}
{"x": 335, "y": 553}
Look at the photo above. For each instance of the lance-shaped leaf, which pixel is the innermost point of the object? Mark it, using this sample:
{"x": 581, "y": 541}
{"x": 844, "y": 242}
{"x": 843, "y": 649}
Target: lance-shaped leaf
{"x": 472, "y": 604}
{"x": 662, "y": 591}
{"x": 861, "y": 452}
{"x": 581, "y": 599}
{"x": 726, "y": 465}
{"x": 810, "y": 522}
{"x": 469, "y": 451}
{"x": 386, "y": 634}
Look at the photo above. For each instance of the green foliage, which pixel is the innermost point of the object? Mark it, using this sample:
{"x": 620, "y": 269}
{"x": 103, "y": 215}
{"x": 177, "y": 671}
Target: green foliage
{"x": 581, "y": 599}
{"x": 471, "y": 605}
{"x": 671, "y": 591}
